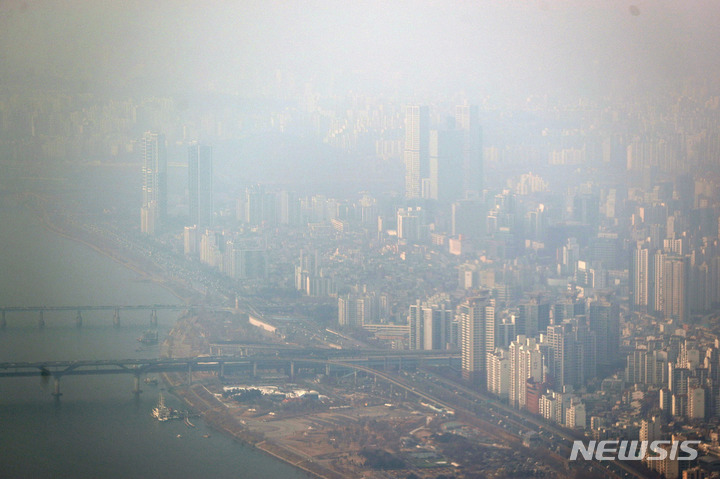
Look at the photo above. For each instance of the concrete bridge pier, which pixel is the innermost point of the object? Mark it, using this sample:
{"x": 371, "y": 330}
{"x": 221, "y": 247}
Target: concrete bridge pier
{"x": 136, "y": 384}
{"x": 292, "y": 370}
{"x": 3, "y": 323}
{"x": 116, "y": 318}
{"x": 355, "y": 377}
{"x": 56, "y": 391}
{"x": 254, "y": 369}
{"x": 41, "y": 320}
{"x": 78, "y": 319}
{"x": 327, "y": 370}
{"x": 221, "y": 369}
{"x": 189, "y": 377}
{"x": 153, "y": 318}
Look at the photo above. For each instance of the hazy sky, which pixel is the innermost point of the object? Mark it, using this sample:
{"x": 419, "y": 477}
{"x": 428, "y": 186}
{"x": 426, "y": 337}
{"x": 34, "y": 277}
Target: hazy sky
{"x": 483, "y": 47}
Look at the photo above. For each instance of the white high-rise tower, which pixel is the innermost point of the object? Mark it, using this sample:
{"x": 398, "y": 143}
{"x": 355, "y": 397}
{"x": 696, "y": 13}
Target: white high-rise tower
{"x": 417, "y": 152}
{"x": 154, "y": 172}
{"x": 200, "y": 181}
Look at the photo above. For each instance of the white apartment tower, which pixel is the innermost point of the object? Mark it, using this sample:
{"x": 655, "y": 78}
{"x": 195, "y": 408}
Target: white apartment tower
{"x": 526, "y": 361}
{"x": 477, "y": 336}
{"x": 154, "y": 189}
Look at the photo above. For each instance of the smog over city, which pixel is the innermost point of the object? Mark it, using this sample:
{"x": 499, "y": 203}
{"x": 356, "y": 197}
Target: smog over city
{"x": 407, "y": 239}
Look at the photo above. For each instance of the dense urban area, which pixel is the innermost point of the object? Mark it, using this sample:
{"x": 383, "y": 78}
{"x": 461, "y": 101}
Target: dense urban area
{"x": 550, "y": 270}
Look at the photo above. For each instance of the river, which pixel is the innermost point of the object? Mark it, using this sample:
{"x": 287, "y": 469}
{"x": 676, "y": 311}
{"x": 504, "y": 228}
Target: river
{"x": 98, "y": 428}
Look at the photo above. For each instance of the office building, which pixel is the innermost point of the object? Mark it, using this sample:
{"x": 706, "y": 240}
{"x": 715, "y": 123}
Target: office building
{"x": 604, "y": 321}
{"x": 200, "y": 184}
{"x": 248, "y": 260}
{"x": 446, "y": 165}
{"x": 417, "y": 136}
{"x": 467, "y": 120}
{"x": 533, "y": 316}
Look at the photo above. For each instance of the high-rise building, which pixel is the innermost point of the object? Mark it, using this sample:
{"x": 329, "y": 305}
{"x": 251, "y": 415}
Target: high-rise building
{"x": 696, "y": 401}
{"x": 526, "y": 362}
{"x": 154, "y": 171}
{"x": 446, "y": 165}
{"x": 191, "y": 240}
{"x": 248, "y": 260}
{"x": 640, "y": 278}
{"x": 477, "y": 336}
{"x": 258, "y": 206}
{"x": 430, "y": 323}
{"x": 417, "y": 136}
{"x": 200, "y": 181}
{"x": 676, "y": 271}
{"x": 564, "y": 356}
{"x": 650, "y": 429}
{"x": 289, "y": 208}
{"x": 498, "y": 376}
{"x": 355, "y": 310}
{"x": 467, "y": 218}
{"x": 467, "y": 120}
{"x": 604, "y": 321}
{"x": 411, "y": 224}
{"x": 657, "y": 295}
{"x": 533, "y": 317}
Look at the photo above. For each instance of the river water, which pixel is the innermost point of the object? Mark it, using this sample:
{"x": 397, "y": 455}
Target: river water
{"x": 98, "y": 429}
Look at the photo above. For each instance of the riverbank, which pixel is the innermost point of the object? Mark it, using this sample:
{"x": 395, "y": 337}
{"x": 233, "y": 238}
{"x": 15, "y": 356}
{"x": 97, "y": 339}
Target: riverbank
{"x": 67, "y": 228}
{"x": 187, "y": 339}
{"x": 195, "y": 396}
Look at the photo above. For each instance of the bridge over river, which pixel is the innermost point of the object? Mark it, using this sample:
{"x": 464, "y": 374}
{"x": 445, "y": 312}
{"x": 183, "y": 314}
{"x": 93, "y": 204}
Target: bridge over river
{"x": 116, "y": 309}
{"x": 369, "y": 362}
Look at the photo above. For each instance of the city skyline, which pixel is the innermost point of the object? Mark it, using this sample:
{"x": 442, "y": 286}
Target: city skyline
{"x": 423, "y": 239}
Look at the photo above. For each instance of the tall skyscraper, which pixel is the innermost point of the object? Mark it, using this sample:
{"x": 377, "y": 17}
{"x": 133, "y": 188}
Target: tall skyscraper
{"x": 566, "y": 356}
{"x": 533, "y": 317}
{"x": 417, "y": 136}
{"x": 154, "y": 171}
{"x": 200, "y": 172}
{"x": 446, "y": 165}
{"x": 467, "y": 119}
{"x": 675, "y": 284}
{"x": 604, "y": 321}
{"x": 657, "y": 295}
{"x": 640, "y": 278}
{"x": 477, "y": 336}
{"x": 258, "y": 206}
